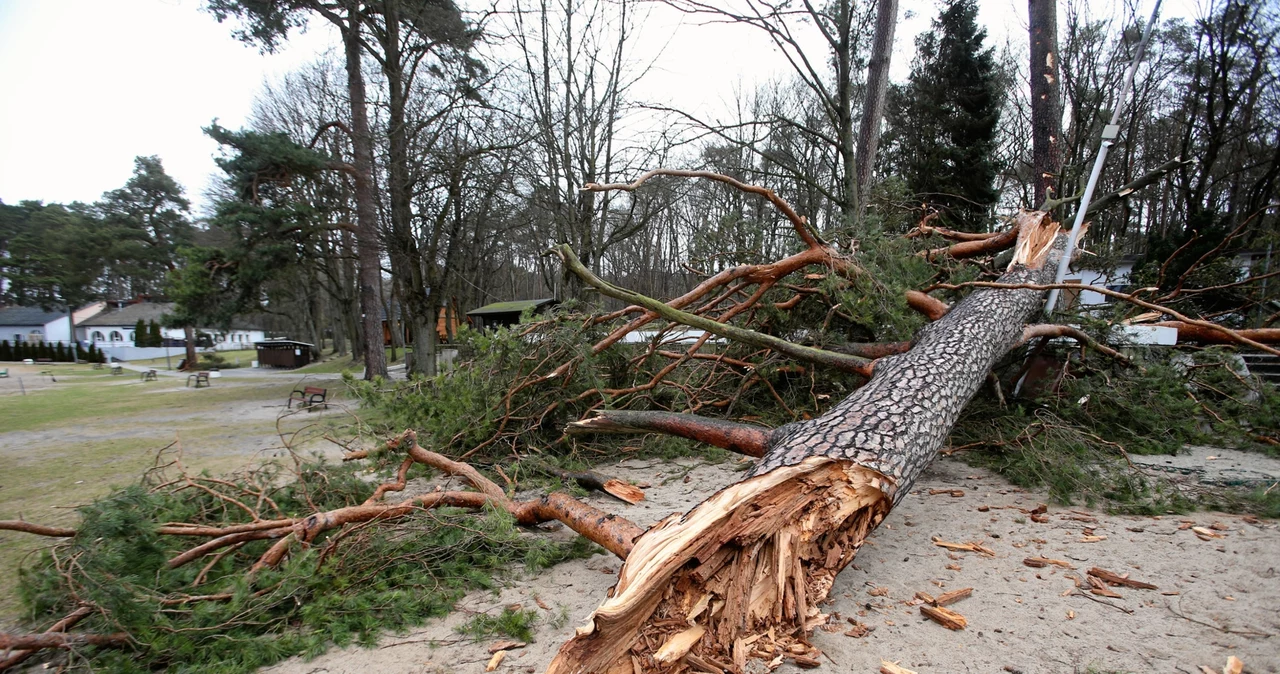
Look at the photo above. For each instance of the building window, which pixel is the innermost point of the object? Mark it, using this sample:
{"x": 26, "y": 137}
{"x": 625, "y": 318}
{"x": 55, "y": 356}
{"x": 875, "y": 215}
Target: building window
{"x": 133, "y": 336}
{"x": 116, "y": 336}
{"x": 97, "y": 336}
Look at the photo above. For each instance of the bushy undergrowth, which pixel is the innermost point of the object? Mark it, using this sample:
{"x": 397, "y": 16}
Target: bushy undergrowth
{"x": 496, "y": 404}
{"x": 378, "y": 578}
{"x": 1074, "y": 434}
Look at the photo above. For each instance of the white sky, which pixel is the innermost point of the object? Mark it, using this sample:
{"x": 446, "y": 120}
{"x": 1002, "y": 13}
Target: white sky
{"x": 89, "y": 84}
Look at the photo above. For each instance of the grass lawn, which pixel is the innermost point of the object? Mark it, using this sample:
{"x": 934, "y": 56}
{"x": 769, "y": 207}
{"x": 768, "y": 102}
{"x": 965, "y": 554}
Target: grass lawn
{"x": 346, "y": 364}
{"x": 64, "y": 444}
{"x": 244, "y": 356}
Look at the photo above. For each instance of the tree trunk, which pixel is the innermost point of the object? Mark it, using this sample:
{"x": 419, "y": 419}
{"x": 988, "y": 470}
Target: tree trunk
{"x": 370, "y": 267}
{"x": 189, "y": 336}
{"x": 877, "y": 87}
{"x": 1046, "y": 99}
{"x": 744, "y": 573}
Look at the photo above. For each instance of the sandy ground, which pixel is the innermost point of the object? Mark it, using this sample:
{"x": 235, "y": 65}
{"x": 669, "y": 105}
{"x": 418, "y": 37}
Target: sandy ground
{"x": 1215, "y": 597}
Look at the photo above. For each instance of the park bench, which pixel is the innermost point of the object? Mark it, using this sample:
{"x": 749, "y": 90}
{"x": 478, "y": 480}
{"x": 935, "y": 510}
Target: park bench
{"x": 4, "y": 374}
{"x": 116, "y": 369}
{"x": 149, "y": 375}
{"x": 97, "y": 366}
{"x": 309, "y": 396}
{"x": 200, "y": 378}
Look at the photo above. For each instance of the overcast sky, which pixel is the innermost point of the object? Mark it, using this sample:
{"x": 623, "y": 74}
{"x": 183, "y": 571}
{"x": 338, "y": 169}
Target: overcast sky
{"x": 90, "y": 84}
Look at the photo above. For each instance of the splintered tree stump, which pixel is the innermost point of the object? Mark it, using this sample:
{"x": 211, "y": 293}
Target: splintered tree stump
{"x": 742, "y": 575}
{"x": 739, "y": 576}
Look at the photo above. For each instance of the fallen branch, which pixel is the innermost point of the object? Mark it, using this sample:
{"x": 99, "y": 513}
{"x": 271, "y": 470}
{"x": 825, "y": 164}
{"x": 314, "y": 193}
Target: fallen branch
{"x": 932, "y": 307}
{"x": 37, "y": 529}
{"x": 1231, "y": 335}
{"x": 37, "y": 642}
{"x": 740, "y": 438}
{"x": 809, "y": 354}
{"x": 1051, "y": 330}
{"x": 611, "y": 532}
{"x": 19, "y": 656}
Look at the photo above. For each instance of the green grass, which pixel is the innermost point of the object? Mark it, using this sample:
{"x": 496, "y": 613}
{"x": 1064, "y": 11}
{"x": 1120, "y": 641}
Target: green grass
{"x": 340, "y": 364}
{"x": 246, "y": 357}
{"x": 97, "y": 400}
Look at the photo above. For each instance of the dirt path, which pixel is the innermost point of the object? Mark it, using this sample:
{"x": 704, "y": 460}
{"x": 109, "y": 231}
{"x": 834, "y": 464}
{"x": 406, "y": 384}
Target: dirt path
{"x": 1215, "y": 597}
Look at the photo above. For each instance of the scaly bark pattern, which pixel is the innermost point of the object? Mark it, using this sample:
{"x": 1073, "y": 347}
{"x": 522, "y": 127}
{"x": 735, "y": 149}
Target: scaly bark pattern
{"x": 898, "y": 421}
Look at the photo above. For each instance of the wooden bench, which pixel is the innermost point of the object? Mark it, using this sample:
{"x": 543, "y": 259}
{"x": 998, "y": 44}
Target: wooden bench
{"x": 97, "y": 366}
{"x": 309, "y": 396}
{"x": 149, "y": 375}
{"x": 116, "y": 369}
{"x": 200, "y": 378}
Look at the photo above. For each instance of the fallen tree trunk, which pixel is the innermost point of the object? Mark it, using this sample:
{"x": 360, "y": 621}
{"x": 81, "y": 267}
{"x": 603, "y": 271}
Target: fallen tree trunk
{"x": 742, "y": 575}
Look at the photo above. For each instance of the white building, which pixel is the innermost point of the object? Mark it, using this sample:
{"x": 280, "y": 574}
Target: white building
{"x": 33, "y": 325}
{"x": 114, "y": 328}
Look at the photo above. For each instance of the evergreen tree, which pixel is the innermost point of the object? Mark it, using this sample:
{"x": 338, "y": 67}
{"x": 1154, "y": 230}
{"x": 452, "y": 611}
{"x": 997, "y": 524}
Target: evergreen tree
{"x": 140, "y": 334}
{"x": 6, "y": 352}
{"x": 942, "y": 123}
{"x": 79, "y": 353}
{"x": 59, "y": 352}
{"x": 154, "y": 337}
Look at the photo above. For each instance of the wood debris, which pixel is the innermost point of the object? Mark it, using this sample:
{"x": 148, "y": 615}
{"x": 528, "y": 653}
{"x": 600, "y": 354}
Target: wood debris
{"x": 1041, "y": 562}
{"x": 1118, "y": 580}
{"x": 858, "y": 630}
{"x": 1234, "y": 666}
{"x": 952, "y": 597}
{"x": 945, "y": 617}
{"x": 878, "y": 591}
{"x": 887, "y": 667}
{"x": 624, "y": 491}
{"x": 1100, "y": 588}
{"x": 1206, "y": 534}
{"x": 506, "y": 645}
{"x": 495, "y": 661}
{"x": 954, "y": 493}
{"x": 1092, "y": 539}
{"x": 965, "y": 547}
{"x": 679, "y": 644}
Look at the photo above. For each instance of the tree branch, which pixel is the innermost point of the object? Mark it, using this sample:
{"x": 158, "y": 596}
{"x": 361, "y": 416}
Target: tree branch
{"x": 735, "y": 437}
{"x": 809, "y": 354}
{"x": 1052, "y": 330}
{"x": 37, "y": 529}
{"x": 1232, "y": 336}
{"x": 932, "y": 307}
{"x": 800, "y": 223}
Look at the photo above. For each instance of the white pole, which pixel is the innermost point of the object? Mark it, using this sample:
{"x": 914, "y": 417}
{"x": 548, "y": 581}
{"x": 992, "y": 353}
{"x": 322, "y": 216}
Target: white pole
{"x": 1109, "y": 134}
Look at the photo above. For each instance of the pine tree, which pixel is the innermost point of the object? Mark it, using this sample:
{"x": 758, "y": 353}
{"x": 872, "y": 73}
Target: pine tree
{"x": 942, "y": 134}
{"x": 140, "y": 333}
{"x": 59, "y": 352}
{"x": 80, "y": 353}
{"x": 6, "y": 352}
{"x": 155, "y": 339}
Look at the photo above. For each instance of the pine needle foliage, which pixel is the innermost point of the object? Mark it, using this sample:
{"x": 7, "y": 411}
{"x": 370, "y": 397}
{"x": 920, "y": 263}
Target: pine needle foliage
{"x": 346, "y": 588}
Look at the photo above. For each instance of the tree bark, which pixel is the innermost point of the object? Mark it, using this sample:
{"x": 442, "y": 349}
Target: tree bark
{"x": 743, "y": 574}
{"x": 189, "y": 336}
{"x": 367, "y": 250}
{"x": 877, "y": 87}
{"x": 1046, "y": 99}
